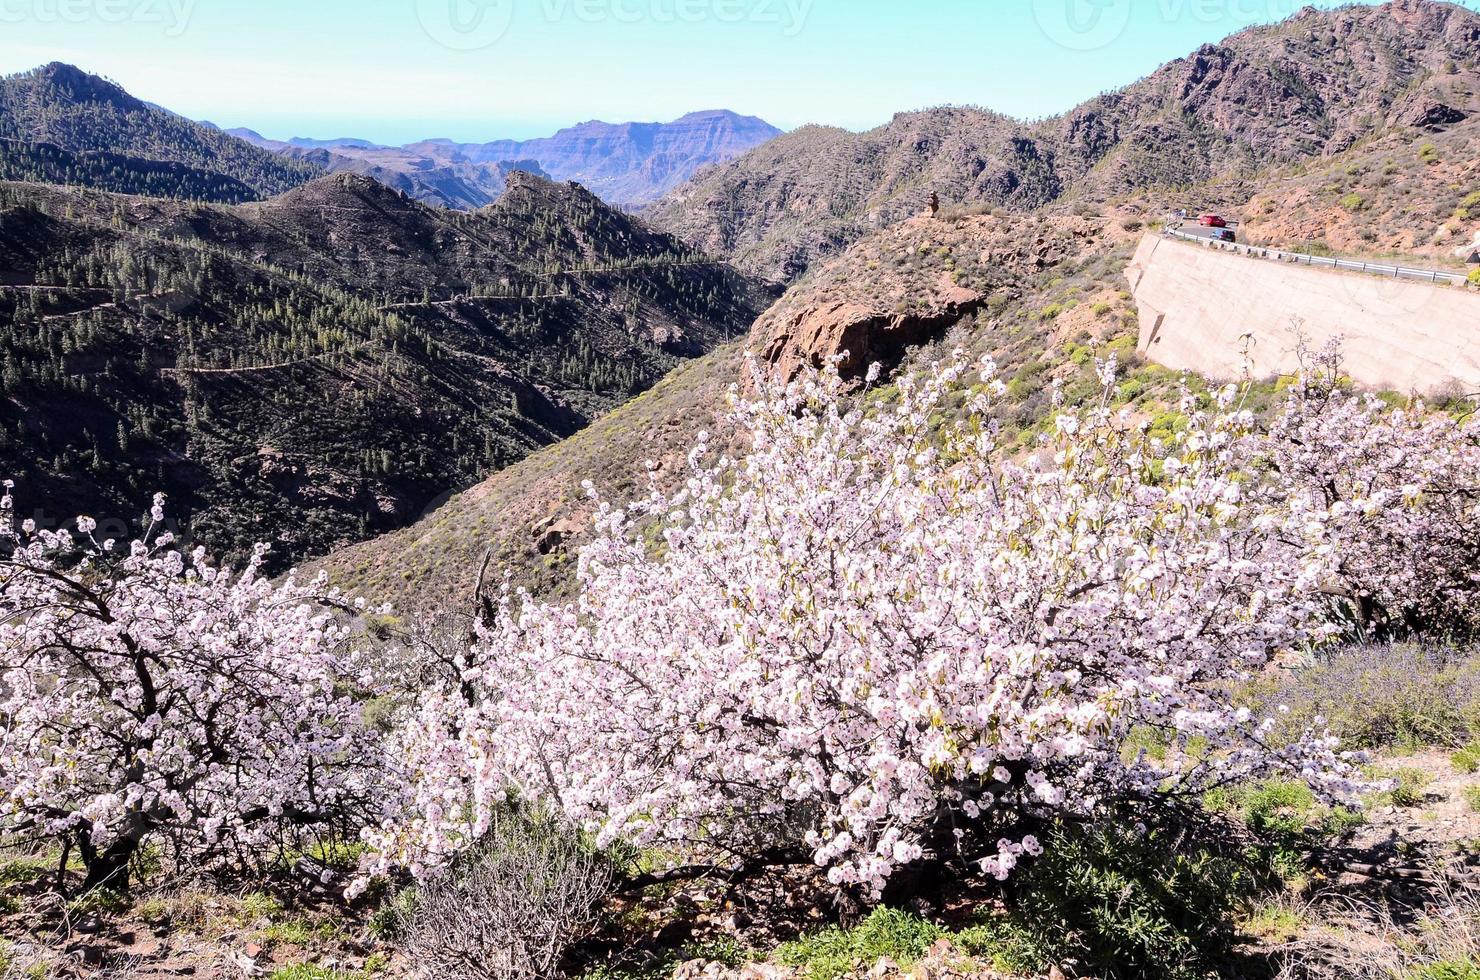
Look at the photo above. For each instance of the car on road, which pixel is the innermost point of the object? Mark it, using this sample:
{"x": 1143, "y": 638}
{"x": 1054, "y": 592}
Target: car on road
{"x": 1223, "y": 235}
{"x": 1212, "y": 221}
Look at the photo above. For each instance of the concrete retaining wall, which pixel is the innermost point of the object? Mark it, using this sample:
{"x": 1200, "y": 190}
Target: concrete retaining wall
{"x": 1212, "y": 312}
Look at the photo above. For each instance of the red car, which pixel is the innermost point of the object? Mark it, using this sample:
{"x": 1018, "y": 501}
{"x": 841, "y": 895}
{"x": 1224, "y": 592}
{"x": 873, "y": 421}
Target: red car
{"x": 1212, "y": 221}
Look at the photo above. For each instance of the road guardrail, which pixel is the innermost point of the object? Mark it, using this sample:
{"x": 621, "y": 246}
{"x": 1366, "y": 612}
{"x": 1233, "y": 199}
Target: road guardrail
{"x": 1349, "y": 265}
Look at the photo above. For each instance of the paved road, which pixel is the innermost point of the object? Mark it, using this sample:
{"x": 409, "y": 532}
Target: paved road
{"x": 1197, "y": 233}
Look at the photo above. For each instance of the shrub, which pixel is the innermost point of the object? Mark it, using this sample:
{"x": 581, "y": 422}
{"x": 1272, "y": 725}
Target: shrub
{"x": 1471, "y": 795}
{"x": 1124, "y": 903}
{"x": 1467, "y": 759}
{"x": 1354, "y": 202}
{"x": 1474, "y": 277}
{"x": 511, "y": 907}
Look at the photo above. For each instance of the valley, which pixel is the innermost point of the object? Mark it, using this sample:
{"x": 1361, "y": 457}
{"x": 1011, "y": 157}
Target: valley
{"x": 702, "y": 551}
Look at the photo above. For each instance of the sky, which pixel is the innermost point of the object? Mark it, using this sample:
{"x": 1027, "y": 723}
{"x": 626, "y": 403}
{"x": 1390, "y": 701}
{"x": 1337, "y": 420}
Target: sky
{"x": 395, "y": 71}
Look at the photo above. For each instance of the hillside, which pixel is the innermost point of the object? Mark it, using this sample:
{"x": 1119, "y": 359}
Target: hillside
{"x": 1405, "y": 193}
{"x": 1308, "y": 87}
{"x": 59, "y": 124}
{"x": 321, "y": 366}
{"x": 627, "y": 164}
{"x": 1036, "y": 293}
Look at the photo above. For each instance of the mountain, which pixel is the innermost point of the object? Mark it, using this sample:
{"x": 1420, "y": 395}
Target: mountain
{"x": 323, "y": 365}
{"x": 301, "y": 142}
{"x": 59, "y": 124}
{"x": 459, "y": 185}
{"x": 628, "y": 164}
{"x": 1313, "y": 85}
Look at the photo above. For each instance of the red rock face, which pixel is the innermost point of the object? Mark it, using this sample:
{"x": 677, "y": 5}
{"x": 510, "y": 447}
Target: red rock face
{"x": 907, "y": 286}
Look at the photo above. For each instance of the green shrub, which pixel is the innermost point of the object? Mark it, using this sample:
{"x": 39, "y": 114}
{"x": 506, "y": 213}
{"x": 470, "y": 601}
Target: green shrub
{"x": 1281, "y": 806}
{"x": 1287, "y": 821}
{"x": 1471, "y": 796}
{"x": 725, "y": 950}
{"x": 829, "y": 954}
{"x": 1448, "y": 970}
{"x": 1354, "y": 202}
{"x": 1158, "y": 904}
{"x": 1474, "y": 276}
{"x": 1467, "y": 759}
{"x": 386, "y": 921}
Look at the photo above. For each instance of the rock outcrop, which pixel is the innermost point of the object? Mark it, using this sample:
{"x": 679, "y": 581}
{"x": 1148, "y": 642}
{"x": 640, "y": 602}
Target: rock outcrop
{"x": 907, "y": 286}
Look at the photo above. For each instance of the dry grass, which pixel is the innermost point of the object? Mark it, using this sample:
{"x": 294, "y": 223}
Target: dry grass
{"x": 1353, "y": 940}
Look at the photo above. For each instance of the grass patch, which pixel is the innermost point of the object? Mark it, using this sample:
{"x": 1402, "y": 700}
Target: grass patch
{"x": 299, "y": 931}
{"x": 830, "y": 954}
{"x": 1467, "y": 759}
{"x": 1003, "y": 946}
{"x": 311, "y": 971}
{"x": 1408, "y": 789}
{"x": 1276, "y": 923}
{"x": 1448, "y": 970}
{"x": 260, "y": 905}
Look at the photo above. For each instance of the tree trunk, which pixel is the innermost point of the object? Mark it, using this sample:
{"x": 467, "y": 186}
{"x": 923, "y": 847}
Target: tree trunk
{"x": 108, "y": 868}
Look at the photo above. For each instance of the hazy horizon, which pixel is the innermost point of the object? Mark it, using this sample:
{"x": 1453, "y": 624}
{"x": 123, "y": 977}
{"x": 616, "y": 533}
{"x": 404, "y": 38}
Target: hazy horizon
{"x": 476, "y": 70}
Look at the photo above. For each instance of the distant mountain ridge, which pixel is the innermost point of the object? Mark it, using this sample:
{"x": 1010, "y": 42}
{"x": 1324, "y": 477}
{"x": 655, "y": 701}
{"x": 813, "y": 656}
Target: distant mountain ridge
{"x": 1304, "y": 88}
{"x": 455, "y": 184}
{"x": 62, "y": 125}
{"x": 627, "y": 164}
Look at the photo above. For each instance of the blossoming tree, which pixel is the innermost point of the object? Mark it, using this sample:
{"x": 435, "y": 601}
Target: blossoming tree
{"x": 1401, "y": 487}
{"x": 879, "y": 639}
{"x": 147, "y": 696}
